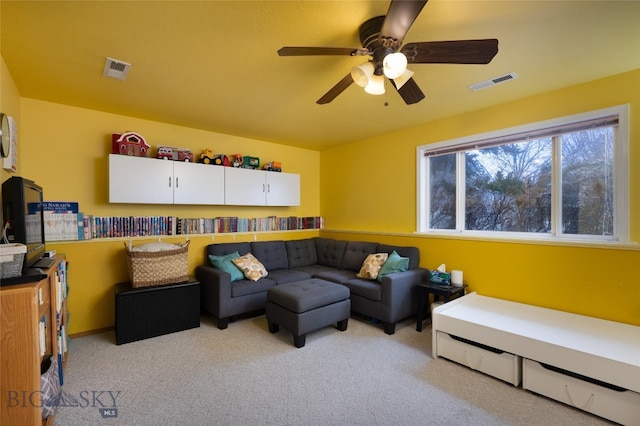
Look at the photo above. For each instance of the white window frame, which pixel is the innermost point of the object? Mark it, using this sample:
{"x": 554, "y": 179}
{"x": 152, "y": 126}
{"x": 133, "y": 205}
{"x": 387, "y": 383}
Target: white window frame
{"x": 621, "y": 183}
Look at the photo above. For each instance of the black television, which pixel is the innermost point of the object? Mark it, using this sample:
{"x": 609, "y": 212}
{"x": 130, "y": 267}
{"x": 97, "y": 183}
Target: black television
{"x": 23, "y": 212}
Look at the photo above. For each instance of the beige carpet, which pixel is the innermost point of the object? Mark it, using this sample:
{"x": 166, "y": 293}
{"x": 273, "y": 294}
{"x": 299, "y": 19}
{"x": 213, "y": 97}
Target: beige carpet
{"x": 246, "y": 376}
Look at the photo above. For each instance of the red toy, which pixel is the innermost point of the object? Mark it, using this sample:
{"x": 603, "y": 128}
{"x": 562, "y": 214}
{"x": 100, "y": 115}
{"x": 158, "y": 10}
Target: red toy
{"x": 129, "y": 143}
{"x": 173, "y": 153}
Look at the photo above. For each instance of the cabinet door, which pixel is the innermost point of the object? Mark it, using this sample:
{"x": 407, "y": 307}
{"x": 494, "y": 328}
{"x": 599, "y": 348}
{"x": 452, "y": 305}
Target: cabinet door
{"x": 197, "y": 183}
{"x": 283, "y": 189}
{"x": 140, "y": 180}
{"x": 244, "y": 187}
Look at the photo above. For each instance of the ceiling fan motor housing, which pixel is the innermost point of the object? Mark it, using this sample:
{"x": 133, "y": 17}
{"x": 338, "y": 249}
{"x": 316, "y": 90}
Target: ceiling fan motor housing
{"x": 370, "y": 39}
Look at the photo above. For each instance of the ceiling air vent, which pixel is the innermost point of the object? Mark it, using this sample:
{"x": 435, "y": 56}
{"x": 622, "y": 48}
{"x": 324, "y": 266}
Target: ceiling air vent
{"x": 493, "y": 81}
{"x": 116, "y": 69}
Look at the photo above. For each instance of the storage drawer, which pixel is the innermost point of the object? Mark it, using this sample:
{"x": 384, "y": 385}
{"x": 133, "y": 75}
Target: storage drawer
{"x": 616, "y": 404}
{"x": 502, "y": 365}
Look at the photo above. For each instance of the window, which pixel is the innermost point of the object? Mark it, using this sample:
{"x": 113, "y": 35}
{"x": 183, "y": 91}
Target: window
{"x": 559, "y": 179}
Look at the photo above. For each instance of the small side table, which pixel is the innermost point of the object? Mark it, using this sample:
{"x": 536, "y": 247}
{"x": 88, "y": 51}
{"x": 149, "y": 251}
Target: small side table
{"x": 427, "y": 288}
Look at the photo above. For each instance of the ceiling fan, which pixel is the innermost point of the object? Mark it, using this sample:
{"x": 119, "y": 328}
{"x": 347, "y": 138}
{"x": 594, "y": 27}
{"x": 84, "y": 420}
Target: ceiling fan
{"x": 381, "y": 39}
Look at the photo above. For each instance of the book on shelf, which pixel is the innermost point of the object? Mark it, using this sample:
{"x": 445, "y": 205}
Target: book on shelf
{"x": 42, "y": 333}
{"x": 61, "y": 226}
{"x": 90, "y": 226}
{"x": 63, "y": 221}
{"x": 60, "y": 369}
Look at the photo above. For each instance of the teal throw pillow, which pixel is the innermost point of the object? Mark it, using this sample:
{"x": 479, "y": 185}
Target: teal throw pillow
{"x": 225, "y": 263}
{"x": 394, "y": 263}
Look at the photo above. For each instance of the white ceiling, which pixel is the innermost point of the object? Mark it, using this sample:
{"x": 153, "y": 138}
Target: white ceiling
{"x": 213, "y": 65}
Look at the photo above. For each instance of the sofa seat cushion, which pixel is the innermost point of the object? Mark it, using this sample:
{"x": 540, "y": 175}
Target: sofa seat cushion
{"x": 369, "y": 289}
{"x": 283, "y": 276}
{"x": 313, "y": 269}
{"x": 336, "y": 275}
{"x": 247, "y": 287}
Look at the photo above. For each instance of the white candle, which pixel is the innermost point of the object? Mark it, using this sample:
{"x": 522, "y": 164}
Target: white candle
{"x": 456, "y": 277}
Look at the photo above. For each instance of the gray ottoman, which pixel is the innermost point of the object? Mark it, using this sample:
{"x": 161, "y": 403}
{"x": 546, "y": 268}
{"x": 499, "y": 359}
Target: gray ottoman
{"x": 305, "y": 306}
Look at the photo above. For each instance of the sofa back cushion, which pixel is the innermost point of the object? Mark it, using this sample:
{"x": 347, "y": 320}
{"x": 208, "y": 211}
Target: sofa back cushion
{"x": 301, "y": 252}
{"x": 413, "y": 253}
{"x": 330, "y": 252}
{"x": 227, "y": 248}
{"x": 355, "y": 253}
{"x": 272, "y": 254}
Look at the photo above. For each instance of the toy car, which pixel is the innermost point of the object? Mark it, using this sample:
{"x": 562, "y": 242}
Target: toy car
{"x": 272, "y": 166}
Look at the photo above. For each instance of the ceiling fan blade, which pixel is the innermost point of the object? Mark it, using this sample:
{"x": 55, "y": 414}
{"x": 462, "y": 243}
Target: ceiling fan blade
{"x": 400, "y": 17}
{"x": 336, "y": 90}
{"x": 451, "y": 52}
{"x": 310, "y": 51}
{"x": 410, "y": 92}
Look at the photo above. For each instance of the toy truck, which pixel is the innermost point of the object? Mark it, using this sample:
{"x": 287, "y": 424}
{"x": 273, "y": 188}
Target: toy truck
{"x": 273, "y": 166}
{"x": 175, "y": 154}
{"x": 207, "y": 157}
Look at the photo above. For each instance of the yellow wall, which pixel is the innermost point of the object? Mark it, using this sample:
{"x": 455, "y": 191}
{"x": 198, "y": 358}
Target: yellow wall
{"x": 72, "y": 144}
{"x": 374, "y": 198}
{"x": 64, "y": 149}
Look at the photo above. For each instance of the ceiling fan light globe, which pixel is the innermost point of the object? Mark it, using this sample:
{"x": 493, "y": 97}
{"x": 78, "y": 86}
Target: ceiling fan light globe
{"x": 402, "y": 79}
{"x": 394, "y": 65}
{"x": 376, "y": 85}
{"x": 362, "y": 73}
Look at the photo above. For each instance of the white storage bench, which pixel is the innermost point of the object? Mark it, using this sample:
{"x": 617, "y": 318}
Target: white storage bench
{"x": 589, "y": 363}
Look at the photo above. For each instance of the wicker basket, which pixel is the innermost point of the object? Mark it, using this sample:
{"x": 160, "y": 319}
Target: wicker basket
{"x": 11, "y": 260}
{"x": 148, "y": 269}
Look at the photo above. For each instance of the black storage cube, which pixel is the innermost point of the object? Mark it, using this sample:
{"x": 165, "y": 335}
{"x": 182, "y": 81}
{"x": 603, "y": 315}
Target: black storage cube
{"x": 153, "y": 311}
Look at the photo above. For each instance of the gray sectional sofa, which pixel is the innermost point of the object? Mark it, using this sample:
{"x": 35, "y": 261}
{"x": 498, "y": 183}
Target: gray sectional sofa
{"x": 390, "y": 300}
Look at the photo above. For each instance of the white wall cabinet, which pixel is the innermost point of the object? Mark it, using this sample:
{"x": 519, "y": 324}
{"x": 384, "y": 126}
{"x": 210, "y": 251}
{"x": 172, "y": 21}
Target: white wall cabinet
{"x": 197, "y": 183}
{"x": 246, "y": 187}
{"x": 142, "y": 180}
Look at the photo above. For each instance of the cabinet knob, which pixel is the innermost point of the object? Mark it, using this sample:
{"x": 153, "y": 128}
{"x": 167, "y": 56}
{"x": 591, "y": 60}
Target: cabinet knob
{"x": 169, "y": 181}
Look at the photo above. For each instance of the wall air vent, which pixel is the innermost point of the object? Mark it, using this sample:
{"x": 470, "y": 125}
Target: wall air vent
{"x": 493, "y": 81}
{"x": 116, "y": 69}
